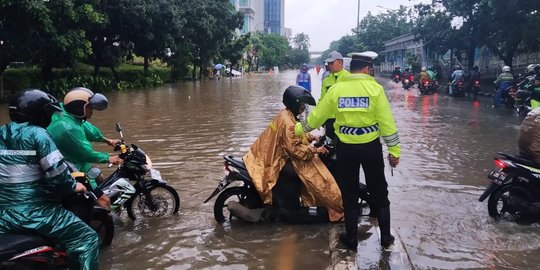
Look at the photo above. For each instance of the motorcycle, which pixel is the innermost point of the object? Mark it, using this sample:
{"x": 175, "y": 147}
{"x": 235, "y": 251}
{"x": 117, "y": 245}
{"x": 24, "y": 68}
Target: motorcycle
{"x": 408, "y": 82}
{"x": 458, "y": 89}
{"x": 31, "y": 251}
{"x": 426, "y": 87}
{"x": 395, "y": 78}
{"x": 98, "y": 217}
{"x": 514, "y": 191}
{"x": 236, "y": 185}
{"x": 474, "y": 88}
{"x": 150, "y": 196}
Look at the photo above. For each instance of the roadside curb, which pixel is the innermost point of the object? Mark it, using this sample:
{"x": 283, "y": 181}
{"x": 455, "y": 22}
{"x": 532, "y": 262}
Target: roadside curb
{"x": 370, "y": 254}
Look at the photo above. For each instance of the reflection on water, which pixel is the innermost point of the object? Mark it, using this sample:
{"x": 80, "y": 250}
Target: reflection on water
{"x": 447, "y": 149}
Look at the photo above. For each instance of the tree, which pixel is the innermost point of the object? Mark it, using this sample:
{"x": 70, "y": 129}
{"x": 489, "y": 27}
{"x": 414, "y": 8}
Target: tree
{"x": 374, "y": 30}
{"x": 301, "y": 42}
{"x": 272, "y": 49}
{"x": 235, "y": 49}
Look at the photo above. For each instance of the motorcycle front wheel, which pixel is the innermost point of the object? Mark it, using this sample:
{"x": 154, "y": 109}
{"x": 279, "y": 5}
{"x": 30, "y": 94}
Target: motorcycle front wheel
{"x": 163, "y": 200}
{"x": 497, "y": 206}
{"x": 241, "y": 195}
{"x": 104, "y": 226}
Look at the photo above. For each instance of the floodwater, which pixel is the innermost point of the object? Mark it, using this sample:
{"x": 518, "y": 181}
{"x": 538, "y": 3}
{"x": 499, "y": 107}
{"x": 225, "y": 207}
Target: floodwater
{"x": 448, "y": 145}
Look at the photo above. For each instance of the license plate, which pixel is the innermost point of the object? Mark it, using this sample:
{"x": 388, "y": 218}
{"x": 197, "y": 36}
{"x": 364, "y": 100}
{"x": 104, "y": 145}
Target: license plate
{"x": 497, "y": 177}
{"x": 155, "y": 174}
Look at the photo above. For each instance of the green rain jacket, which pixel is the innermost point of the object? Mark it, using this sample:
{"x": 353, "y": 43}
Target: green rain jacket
{"x": 68, "y": 132}
{"x": 92, "y": 133}
{"x": 362, "y": 113}
{"x": 33, "y": 180}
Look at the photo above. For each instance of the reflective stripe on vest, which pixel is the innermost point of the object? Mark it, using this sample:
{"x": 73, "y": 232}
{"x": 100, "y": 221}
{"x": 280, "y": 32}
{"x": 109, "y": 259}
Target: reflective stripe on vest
{"x": 358, "y": 131}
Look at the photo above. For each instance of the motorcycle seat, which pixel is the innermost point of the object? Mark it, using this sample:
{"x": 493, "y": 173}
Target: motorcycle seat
{"x": 12, "y": 244}
{"x": 237, "y": 162}
{"x": 522, "y": 160}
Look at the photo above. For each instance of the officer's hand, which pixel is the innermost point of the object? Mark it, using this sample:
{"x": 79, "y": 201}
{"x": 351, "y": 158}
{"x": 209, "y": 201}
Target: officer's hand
{"x": 394, "y": 161}
{"x": 115, "y": 160}
{"x": 80, "y": 188}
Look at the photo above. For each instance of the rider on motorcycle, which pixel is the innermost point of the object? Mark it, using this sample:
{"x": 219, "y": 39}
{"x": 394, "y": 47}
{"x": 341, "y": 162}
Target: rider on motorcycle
{"x": 284, "y": 167}
{"x": 396, "y": 71}
{"x": 71, "y": 135}
{"x": 68, "y": 133}
{"x": 424, "y": 76}
{"x": 503, "y": 82}
{"x": 457, "y": 76}
{"x": 472, "y": 76}
{"x": 34, "y": 177}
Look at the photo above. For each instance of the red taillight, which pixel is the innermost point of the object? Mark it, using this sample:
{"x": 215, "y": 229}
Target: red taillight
{"x": 411, "y": 78}
{"x": 460, "y": 83}
{"x": 396, "y": 76}
{"x": 500, "y": 164}
{"x": 476, "y": 83}
{"x": 426, "y": 83}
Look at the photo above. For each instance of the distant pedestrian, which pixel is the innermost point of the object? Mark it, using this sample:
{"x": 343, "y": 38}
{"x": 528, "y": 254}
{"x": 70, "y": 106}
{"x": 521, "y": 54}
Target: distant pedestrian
{"x": 318, "y": 69}
{"x": 303, "y": 78}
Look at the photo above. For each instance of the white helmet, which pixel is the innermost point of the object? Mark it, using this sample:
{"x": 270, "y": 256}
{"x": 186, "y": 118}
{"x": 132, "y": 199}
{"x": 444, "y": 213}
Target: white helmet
{"x": 530, "y": 68}
{"x": 506, "y": 69}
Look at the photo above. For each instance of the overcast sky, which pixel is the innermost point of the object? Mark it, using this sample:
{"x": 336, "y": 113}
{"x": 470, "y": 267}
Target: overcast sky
{"x": 327, "y": 20}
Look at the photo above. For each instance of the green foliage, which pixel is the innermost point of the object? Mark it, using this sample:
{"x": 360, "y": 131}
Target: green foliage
{"x": 374, "y": 30}
{"x": 296, "y": 57}
{"x": 301, "y": 41}
{"x": 272, "y": 49}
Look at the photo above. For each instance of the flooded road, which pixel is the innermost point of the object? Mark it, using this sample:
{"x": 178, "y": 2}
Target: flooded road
{"x": 448, "y": 145}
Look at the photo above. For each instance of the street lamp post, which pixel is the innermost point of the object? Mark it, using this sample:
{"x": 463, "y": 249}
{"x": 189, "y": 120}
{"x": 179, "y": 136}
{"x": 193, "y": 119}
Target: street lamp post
{"x": 358, "y": 16}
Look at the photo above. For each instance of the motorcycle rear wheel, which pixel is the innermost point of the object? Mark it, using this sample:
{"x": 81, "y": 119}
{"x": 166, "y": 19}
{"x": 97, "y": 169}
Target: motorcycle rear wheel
{"x": 165, "y": 200}
{"x": 241, "y": 195}
{"x": 104, "y": 226}
{"x": 496, "y": 204}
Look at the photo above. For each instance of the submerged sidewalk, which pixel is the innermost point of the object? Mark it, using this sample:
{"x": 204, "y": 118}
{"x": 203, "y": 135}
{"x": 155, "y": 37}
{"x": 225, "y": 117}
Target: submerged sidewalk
{"x": 370, "y": 254}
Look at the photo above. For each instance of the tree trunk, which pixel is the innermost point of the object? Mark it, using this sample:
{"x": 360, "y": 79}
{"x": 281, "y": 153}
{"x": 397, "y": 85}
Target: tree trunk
{"x": 146, "y": 64}
{"x": 2, "y": 70}
{"x": 193, "y": 71}
{"x": 96, "y": 69}
{"x": 46, "y": 73}
{"x": 116, "y": 77}
{"x": 471, "y": 55}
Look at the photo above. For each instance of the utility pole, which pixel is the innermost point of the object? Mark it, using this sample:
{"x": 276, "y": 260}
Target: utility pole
{"x": 358, "y": 16}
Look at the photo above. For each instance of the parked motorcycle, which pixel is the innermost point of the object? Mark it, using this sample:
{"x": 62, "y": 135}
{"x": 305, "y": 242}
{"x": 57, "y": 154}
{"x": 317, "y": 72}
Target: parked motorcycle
{"x": 236, "y": 185}
{"x": 150, "y": 196}
{"x": 407, "y": 82}
{"x": 31, "y": 251}
{"x": 514, "y": 191}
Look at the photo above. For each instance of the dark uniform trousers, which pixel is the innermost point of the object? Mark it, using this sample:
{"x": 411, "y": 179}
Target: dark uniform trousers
{"x": 349, "y": 159}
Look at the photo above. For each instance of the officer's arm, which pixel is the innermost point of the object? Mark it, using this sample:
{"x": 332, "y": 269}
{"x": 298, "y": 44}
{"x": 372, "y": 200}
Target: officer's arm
{"x": 387, "y": 125}
{"x": 324, "y": 110}
{"x": 51, "y": 161}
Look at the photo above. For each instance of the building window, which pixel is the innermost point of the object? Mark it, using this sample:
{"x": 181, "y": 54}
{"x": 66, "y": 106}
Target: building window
{"x": 244, "y": 3}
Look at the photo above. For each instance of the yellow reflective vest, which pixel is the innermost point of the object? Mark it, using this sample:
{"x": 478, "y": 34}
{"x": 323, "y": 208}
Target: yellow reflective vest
{"x": 362, "y": 113}
{"x": 332, "y": 79}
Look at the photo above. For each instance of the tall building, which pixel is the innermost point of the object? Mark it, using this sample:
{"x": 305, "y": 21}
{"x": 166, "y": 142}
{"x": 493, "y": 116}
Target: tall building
{"x": 274, "y": 16}
{"x": 246, "y": 7}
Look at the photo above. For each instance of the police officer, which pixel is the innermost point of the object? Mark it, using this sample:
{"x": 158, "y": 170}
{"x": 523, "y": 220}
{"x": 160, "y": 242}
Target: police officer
{"x": 337, "y": 72}
{"x": 362, "y": 115}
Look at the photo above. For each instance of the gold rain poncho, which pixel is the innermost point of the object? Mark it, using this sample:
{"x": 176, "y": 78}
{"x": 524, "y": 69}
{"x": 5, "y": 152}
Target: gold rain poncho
{"x": 270, "y": 152}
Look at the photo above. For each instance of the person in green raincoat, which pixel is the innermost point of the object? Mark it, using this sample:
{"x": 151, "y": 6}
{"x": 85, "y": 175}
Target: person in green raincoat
{"x": 73, "y": 136}
{"x": 34, "y": 178}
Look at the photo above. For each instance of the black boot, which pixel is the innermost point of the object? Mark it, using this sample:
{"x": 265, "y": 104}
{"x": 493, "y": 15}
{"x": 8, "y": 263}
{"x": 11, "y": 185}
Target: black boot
{"x": 350, "y": 237}
{"x": 350, "y": 243}
{"x": 384, "y": 225}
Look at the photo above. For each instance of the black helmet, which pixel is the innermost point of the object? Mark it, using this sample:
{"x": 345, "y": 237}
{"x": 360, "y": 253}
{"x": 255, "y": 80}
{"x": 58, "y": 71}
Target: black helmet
{"x": 78, "y": 98}
{"x": 33, "y": 106}
{"x": 295, "y": 95}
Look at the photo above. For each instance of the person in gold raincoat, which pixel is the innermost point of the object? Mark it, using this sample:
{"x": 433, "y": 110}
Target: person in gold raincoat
{"x": 285, "y": 168}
